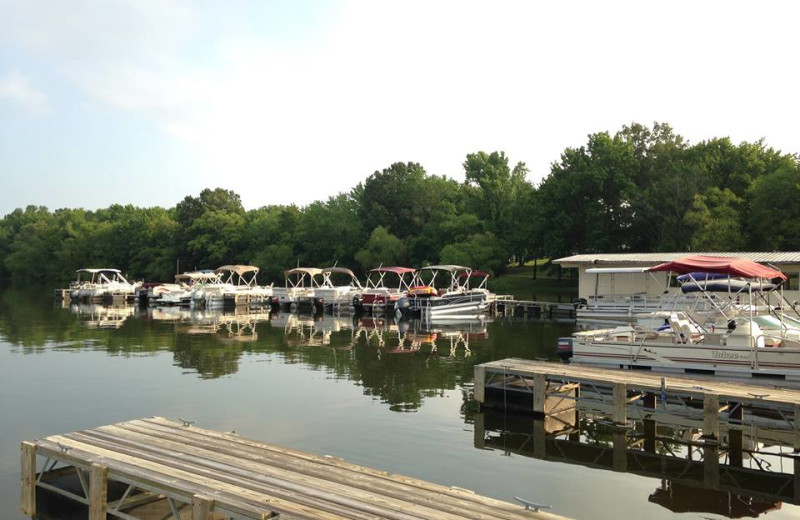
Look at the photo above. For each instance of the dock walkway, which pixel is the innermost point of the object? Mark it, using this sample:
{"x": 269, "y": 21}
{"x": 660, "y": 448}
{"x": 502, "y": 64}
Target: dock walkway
{"x": 203, "y": 474}
{"x": 547, "y": 388}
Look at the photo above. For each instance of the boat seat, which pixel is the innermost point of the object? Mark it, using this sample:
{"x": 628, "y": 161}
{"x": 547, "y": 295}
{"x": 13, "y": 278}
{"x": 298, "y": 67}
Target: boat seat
{"x": 745, "y": 335}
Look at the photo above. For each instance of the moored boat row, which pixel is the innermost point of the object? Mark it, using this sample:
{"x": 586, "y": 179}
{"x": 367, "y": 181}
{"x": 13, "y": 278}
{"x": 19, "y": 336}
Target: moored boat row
{"x": 432, "y": 292}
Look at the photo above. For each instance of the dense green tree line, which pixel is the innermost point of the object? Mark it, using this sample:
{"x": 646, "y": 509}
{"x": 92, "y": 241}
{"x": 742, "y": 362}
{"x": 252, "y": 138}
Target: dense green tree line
{"x": 640, "y": 189}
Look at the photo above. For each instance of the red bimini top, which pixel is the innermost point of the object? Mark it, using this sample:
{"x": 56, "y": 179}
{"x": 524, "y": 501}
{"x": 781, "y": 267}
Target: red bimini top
{"x": 715, "y": 264}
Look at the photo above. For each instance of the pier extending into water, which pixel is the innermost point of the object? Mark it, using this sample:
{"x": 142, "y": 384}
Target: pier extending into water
{"x": 547, "y": 388}
{"x": 196, "y": 473}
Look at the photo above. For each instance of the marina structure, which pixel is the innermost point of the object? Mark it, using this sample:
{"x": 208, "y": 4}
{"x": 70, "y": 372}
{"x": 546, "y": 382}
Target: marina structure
{"x": 124, "y": 467}
{"x": 616, "y": 287}
{"x": 741, "y": 338}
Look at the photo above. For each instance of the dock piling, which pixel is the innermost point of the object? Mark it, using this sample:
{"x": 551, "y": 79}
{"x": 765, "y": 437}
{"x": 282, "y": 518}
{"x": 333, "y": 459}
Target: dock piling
{"x": 28, "y": 501}
{"x": 620, "y": 400}
{"x": 711, "y": 416}
{"x": 98, "y": 492}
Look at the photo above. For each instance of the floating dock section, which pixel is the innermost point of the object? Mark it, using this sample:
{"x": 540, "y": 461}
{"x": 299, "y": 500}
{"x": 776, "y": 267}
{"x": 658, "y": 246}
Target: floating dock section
{"x": 203, "y": 474}
{"x": 546, "y": 388}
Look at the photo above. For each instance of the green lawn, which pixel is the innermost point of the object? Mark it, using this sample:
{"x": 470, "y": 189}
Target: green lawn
{"x": 519, "y": 282}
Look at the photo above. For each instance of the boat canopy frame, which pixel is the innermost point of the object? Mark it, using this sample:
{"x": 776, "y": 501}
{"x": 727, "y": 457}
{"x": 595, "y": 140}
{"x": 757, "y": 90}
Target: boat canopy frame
{"x": 404, "y": 282}
{"x": 239, "y": 275}
{"x": 302, "y": 274}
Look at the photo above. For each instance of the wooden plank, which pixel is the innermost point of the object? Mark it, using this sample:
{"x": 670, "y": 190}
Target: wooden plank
{"x": 250, "y": 468}
{"x": 193, "y": 465}
{"x": 151, "y": 481}
{"x": 620, "y": 400}
{"x": 356, "y": 471}
{"x": 747, "y": 392}
{"x": 796, "y": 420}
{"x": 162, "y": 475}
{"x": 98, "y": 492}
{"x": 201, "y": 507}
{"x": 480, "y": 384}
{"x": 28, "y": 498}
{"x": 395, "y": 483}
{"x": 711, "y": 416}
{"x": 539, "y": 393}
{"x": 281, "y": 484}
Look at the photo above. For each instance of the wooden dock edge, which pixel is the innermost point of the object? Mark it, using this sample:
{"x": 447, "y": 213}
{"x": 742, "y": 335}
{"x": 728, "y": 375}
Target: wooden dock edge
{"x": 154, "y": 458}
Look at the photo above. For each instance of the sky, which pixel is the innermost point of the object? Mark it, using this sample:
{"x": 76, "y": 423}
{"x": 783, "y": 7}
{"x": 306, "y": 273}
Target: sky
{"x": 147, "y": 101}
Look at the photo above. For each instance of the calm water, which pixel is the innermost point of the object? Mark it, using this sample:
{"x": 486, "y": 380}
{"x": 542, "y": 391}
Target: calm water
{"x": 394, "y": 398}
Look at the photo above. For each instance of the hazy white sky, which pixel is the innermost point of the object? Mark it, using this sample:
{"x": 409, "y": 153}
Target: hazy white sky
{"x": 145, "y": 102}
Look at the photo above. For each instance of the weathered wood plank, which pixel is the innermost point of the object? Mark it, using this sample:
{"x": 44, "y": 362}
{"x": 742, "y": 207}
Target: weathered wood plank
{"x": 355, "y": 471}
{"x": 728, "y": 391}
{"x": 711, "y": 416}
{"x": 239, "y": 470}
{"x": 28, "y": 499}
{"x": 201, "y": 507}
{"x": 480, "y": 384}
{"x": 210, "y": 470}
{"x": 98, "y": 492}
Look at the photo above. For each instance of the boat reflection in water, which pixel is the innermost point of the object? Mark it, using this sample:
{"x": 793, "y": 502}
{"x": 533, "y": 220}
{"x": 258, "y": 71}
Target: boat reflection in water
{"x": 301, "y": 329}
{"x": 98, "y": 316}
{"x": 747, "y": 474}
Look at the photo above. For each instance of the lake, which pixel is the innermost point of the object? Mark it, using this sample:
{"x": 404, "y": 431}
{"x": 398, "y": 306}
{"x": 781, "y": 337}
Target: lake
{"x": 374, "y": 392}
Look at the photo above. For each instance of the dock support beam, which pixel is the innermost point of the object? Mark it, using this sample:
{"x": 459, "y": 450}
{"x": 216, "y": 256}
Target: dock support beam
{"x": 539, "y": 393}
{"x": 650, "y": 430}
{"x": 201, "y": 507}
{"x": 28, "y": 500}
{"x": 797, "y": 427}
{"x": 620, "y": 451}
{"x": 620, "y": 395}
{"x": 98, "y": 492}
{"x": 480, "y": 384}
{"x": 711, "y": 416}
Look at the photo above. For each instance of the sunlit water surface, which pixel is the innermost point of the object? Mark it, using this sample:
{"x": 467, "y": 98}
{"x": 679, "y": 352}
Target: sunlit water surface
{"x": 389, "y": 397}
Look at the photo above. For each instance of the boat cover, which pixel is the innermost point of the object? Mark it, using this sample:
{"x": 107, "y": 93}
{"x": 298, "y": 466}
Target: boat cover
{"x": 726, "y": 285}
{"x": 688, "y": 277}
{"x": 714, "y": 264}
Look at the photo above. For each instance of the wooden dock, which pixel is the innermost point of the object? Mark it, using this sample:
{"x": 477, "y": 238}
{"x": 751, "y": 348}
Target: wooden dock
{"x": 508, "y": 306}
{"x": 545, "y": 388}
{"x": 203, "y": 474}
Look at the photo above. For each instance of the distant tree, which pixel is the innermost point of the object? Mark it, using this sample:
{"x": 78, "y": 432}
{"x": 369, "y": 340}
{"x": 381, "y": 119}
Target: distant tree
{"x": 775, "y": 210}
{"x": 480, "y": 251}
{"x": 383, "y": 248}
{"x": 715, "y": 220}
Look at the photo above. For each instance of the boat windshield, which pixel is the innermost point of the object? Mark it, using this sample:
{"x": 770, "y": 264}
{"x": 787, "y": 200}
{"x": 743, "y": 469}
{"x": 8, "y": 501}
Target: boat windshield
{"x": 766, "y": 322}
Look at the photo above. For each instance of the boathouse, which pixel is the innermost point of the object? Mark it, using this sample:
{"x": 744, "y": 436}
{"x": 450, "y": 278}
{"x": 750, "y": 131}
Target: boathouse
{"x": 626, "y": 280}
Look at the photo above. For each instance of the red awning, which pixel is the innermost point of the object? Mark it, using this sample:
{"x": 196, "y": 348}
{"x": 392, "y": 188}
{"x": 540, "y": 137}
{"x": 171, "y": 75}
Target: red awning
{"x": 714, "y": 264}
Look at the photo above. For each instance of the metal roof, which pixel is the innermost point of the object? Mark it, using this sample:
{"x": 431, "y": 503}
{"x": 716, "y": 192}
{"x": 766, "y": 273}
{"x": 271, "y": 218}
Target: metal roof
{"x": 651, "y": 259}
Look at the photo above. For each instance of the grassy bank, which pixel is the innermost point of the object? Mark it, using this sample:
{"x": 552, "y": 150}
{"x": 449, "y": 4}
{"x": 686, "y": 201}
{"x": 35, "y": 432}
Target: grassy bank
{"x": 519, "y": 282}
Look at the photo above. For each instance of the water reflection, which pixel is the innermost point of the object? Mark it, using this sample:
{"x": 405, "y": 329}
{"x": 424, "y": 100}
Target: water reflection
{"x": 748, "y": 473}
{"x": 399, "y": 363}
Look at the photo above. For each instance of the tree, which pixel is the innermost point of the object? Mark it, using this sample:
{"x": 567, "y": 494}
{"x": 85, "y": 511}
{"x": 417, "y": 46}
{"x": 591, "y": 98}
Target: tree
{"x": 775, "y": 213}
{"x": 480, "y": 251}
{"x": 383, "y": 248}
{"x": 715, "y": 220}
